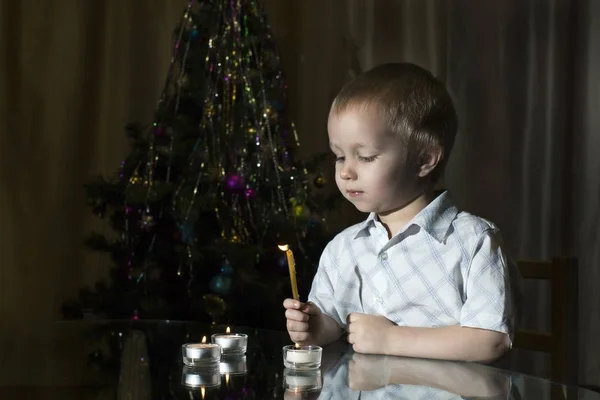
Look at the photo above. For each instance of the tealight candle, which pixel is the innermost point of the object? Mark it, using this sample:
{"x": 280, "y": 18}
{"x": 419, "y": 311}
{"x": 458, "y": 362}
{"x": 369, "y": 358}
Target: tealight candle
{"x": 302, "y": 381}
{"x": 200, "y": 377}
{"x": 302, "y": 357}
{"x": 195, "y": 354}
{"x": 231, "y": 343}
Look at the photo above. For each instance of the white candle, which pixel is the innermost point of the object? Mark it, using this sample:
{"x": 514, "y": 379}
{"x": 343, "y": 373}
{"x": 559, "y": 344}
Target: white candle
{"x": 231, "y": 343}
{"x": 201, "y": 350}
{"x": 200, "y": 353}
{"x": 302, "y": 357}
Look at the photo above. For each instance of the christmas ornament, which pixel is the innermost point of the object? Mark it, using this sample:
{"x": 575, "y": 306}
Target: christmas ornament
{"x": 159, "y": 130}
{"x": 271, "y": 113}
{"x": 320, "y": 182}
{"x": 301, "y": 211}
{"x": 221, "y": 284}
{"x": 209, "y": 110}
{"x": 234, "y": 182}
{"x": 213, "y": 173}
{"x": 214, "y": 305}
{"x": 135, "y": 179}
{"x": 226, "y": 268}
{"x": 250, "y": 193}
{"x": 147, "y": 221}
{"x": 314, "y": 222}
{"x": 188, "y": 232}
{"x": 278, "y": 105}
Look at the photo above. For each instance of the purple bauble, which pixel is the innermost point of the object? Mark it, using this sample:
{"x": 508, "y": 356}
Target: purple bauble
{"x": 159, "y": 130}
{"x": 250, "y": 193}
{"x": 234, "y": 182}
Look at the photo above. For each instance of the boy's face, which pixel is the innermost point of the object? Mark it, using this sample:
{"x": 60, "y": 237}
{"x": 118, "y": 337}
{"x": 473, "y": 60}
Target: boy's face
{"x": 370, "y": 170}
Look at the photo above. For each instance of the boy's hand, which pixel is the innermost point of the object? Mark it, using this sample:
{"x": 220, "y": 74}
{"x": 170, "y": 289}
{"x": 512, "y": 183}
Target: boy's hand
{"x": 368, "y": 333}
{"x": 302, "y": 321}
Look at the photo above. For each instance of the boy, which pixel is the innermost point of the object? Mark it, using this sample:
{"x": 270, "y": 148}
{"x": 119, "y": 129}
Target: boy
{"x": 418, "y": 278}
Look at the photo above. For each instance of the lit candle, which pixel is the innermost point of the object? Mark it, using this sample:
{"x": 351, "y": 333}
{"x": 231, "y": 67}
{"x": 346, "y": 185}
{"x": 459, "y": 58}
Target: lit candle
{"x": 302, "y": 357}
{"x": 231, "y": 343}
{"x": 292, "y": 268}
{"x": 200, "y": 353}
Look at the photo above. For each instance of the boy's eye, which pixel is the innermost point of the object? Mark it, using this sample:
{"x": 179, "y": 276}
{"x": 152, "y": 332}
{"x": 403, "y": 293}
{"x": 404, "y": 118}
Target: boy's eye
{"x": 339, "y": 159}
{"x": 367, "y": 159}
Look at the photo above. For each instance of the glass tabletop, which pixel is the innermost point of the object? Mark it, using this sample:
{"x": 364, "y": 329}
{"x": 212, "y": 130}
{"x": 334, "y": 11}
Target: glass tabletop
{"x": 144, "y": 360}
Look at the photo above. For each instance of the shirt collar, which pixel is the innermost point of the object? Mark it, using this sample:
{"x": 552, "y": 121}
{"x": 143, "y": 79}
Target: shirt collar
{"x": 366, "y": 224}
{"x": 436, "y": 218}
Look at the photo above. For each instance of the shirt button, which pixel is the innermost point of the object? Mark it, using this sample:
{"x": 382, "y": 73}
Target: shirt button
{"x": 384, "y": 256}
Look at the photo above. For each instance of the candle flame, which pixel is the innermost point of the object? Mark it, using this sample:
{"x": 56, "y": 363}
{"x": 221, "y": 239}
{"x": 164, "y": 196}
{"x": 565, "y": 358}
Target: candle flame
{"x": 227, "y": 330}
{"x": 297, "y": 346}
{"x": 203, "y": 391}
{"x": 203, "y": 339}
{"x": 227, "y": 379}
{"x": 283, "y": 247}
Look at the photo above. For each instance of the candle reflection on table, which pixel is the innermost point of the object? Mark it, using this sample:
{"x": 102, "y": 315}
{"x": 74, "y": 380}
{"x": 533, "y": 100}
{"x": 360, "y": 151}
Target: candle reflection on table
{"x": 232, "y": 368}
{"x": 200, "y": 378}
{"x": 299, "y": 381}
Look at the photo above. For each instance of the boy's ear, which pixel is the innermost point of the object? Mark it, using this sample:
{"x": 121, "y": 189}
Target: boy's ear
{"x": 429, "y": 160}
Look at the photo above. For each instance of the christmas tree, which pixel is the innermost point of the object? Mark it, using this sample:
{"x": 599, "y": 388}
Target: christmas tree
{"x": 212, "y": 186}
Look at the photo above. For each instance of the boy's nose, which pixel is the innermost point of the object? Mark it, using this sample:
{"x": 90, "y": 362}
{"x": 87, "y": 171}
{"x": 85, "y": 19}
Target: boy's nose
{"x": 347, "y": 173}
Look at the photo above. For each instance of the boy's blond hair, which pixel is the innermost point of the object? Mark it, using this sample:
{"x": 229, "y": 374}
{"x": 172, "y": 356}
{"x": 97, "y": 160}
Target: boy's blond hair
{"x": 414, "y": 104}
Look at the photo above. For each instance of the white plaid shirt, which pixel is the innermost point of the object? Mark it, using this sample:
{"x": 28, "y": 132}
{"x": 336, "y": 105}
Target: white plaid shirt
{"x": 446, "y": 267}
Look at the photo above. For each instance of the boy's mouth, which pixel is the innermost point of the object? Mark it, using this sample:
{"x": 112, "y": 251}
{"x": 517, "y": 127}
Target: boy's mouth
{"x": 353, "y": 193}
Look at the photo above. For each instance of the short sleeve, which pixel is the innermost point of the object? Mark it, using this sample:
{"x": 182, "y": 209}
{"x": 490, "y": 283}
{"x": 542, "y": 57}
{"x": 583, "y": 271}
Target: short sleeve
{"x": 490, "y": 300}
{"x": 322, "y": 292}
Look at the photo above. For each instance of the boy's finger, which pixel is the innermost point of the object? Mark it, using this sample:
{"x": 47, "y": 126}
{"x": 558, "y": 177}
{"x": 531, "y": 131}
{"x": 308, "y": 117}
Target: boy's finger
{"x": 298, "y": 337}
{"x": 296, "y": 326}
{"x": 292, "y": 304}
{"x": 310, "y": 309}
{"x": 296, "y": 315}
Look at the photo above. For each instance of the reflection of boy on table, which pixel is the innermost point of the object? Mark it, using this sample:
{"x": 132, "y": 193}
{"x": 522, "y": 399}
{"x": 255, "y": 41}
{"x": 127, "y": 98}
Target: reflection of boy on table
{"x": 382, "y": 377}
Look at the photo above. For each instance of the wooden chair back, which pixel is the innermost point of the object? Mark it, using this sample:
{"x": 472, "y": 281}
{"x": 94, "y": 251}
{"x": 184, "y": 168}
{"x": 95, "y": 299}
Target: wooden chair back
{"x": 562, "y": 341}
